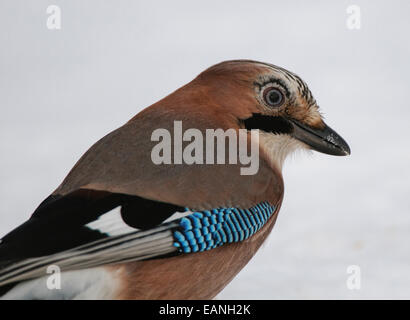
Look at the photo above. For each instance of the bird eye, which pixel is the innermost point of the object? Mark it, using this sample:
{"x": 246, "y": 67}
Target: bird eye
{"x": 273, "y": 97}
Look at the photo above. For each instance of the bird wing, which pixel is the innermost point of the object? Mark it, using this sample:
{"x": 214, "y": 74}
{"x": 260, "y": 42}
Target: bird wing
{"x": 187, "y": 232}
{"x": 83, "y": 229}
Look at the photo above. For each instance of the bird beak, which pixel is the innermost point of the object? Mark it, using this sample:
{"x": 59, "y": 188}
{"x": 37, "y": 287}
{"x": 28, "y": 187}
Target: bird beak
{"x": 324, "y": 140}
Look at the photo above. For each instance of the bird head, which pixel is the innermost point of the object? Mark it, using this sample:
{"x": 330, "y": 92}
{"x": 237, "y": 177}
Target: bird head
{"x": 275, "y": 101}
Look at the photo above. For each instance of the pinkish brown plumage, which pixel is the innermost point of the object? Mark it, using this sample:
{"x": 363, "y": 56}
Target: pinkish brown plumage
{"x": 118, "y": 172}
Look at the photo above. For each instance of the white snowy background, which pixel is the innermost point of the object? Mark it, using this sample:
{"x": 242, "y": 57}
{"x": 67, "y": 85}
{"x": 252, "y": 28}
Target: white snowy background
{"x": 60, "y": 91}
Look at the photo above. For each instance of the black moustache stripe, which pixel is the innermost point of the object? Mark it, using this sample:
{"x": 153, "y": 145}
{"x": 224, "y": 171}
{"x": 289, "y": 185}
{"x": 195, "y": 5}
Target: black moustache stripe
{"x": 276, "y": 125}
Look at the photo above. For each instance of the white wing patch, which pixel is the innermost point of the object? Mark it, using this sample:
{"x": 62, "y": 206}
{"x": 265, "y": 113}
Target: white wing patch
{"x": 111, "y": 223}
{"x": 178, "y": 215}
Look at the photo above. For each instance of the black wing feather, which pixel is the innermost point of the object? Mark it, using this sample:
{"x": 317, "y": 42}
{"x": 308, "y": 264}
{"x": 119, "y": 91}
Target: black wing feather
{"x": 58, "y": 224}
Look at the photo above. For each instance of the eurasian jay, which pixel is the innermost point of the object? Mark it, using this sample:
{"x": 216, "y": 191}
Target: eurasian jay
{"x": 123, "y": 226}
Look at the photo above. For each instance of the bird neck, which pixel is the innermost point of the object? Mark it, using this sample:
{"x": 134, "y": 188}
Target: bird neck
{"x": 276, "y": 147}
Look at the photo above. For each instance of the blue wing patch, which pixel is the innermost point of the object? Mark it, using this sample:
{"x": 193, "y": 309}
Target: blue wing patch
{"x": 205, "y": 230}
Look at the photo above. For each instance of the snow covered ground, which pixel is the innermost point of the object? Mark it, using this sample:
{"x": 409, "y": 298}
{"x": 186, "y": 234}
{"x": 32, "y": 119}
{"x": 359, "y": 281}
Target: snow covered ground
{"x": 62, "y": 90}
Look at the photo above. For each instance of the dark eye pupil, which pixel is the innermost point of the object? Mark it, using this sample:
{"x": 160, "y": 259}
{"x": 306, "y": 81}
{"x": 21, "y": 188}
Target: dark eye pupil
{"x": 274, "y": 97}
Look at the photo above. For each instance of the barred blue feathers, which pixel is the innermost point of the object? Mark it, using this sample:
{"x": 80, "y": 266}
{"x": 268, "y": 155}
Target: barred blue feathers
{"x": 206, "y": 230}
